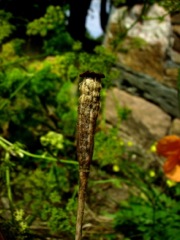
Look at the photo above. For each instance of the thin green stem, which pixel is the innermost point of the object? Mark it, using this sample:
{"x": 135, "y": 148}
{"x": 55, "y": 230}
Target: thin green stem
{"x": 18, "y": 151}
{"x": 8, "y": 184}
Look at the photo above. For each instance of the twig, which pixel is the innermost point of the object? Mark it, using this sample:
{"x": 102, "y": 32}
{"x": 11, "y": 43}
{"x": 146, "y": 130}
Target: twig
{"x": 89, "y": 104}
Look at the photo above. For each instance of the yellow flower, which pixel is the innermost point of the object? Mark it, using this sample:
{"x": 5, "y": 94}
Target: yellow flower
{"x": 153, "y": 148}
{"x": 116, "y": 168}
{"x": 130, "y": 144}
{"x": 170, "y": 183}
{"x": 152, "y": 173}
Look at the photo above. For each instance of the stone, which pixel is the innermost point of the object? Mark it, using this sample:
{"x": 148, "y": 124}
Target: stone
{"x": 175, "y": 56}
{"x": 153, "y": 30}
{"x": 147, "y": 87}
{"x": 170, "y": 78}
{"x": 175, "y": 18}
{"x": 173, "y": 72}
{"x": 176, "y": 44}
{"x": 175, "y": 127}
{"x": 146, "y": 122}
{"x": 176, "y": 29}
{"x": 147, "y": 59}
{"x": 147, "y": 48}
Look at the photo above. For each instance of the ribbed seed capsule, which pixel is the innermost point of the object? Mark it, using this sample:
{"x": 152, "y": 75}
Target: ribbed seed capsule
{"x": 89, "y": 104}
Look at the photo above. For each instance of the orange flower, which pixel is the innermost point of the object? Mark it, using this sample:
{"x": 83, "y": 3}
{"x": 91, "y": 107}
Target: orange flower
{"x": 169, "y": 147}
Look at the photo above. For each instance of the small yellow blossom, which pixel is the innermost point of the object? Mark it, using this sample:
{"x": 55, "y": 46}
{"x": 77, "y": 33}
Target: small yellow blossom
{"x": 129, "y": 143}
{"x": 121, "y": 143}
{"x": 116, "y": 168}
{"x": 170, "y": 183}
{"x": 19, "y": 213}
{"x": 152, "y": 174}
{"x": 153, "y": 148}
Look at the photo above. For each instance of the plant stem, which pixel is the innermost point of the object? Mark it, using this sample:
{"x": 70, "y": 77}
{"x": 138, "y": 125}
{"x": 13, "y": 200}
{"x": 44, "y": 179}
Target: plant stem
{"x": 8, "y": 184}
{"x": 89, "y": 104}
{"x": 10, "y": 147}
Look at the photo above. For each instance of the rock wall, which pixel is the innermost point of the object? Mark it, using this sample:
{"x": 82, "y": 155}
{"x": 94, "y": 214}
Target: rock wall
{"x": 175, "y": 50}
{"x": 145, "y": 86}
{"x": 146, "y": 122}
{"x": 148, "y": 62}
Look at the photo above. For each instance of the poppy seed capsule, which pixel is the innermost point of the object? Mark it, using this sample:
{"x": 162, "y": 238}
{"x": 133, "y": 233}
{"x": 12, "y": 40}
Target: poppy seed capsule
{"x": 89, "y": 105}
{"x": 88, "y": 109}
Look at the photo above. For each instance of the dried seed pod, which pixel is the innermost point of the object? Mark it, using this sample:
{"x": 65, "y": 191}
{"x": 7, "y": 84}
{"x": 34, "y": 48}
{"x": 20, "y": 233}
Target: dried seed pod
{"x": 89, "y": 104}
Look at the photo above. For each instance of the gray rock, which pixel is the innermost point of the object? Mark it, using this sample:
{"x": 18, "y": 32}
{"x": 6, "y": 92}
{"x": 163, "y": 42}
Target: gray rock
{"x": 146, "y": 122}
{"x": 175, "y": 127}
{"x": 153, "y": 30}
{"x": 175, "y": 56}
{"x": 152, "y": 90}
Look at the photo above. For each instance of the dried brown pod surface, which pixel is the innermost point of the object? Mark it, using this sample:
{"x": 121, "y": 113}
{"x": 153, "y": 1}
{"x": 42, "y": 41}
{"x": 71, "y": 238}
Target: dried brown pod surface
{"x": 89, "y": 105}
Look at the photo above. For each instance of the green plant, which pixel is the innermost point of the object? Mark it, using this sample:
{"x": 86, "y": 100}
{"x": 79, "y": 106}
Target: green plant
{"x": 170, "y": 5}
{"x": 6, "y": 28}
{"x": 51, "y": 27}
{"x": 109, "y": 148}
{"x": 142, "y": 219}
{"x": 36, "y": 95}
{"x": 38, "y": 107}
{"x": 151, "y": 211}
{"x": 53, "y": 18}
{"x": 14, "y": 230}
{"x": 117, "y": 3}
{"x": 101, "y": 61}
{"x": 48, "y": 184}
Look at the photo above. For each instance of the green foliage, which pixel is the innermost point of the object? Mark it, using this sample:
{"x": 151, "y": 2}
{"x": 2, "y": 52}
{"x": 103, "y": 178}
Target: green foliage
{"x": 59, "y": 42}
{"x": 52, "y": 140}
{"x": 102, "y": 61}
{"x": 152, "y": 209}
{"x": 62, "y": 220}
{"x": 170, "y": 5}
{"x": 42, "y": 92}
{"x": 17, "y": 45}
{"x": 53, "y": 19}
{"x": 117, "y": 3}
{"x": 150, "y": 212}
{"x": 52, "y": 28}
{"x": 109, "y": 148}
{"x": 38, "y": 167}
{"x": 67, "y": 107}
{"x": 6, "y": 28}
{"x": 46, "y": 190}
{"x": 43, "y": 82}
{"x": 8, "y": 53}
{"x": 137, "y": 42}
{"x": 14, "y": 231}
{"x": 140, "y": 219}
{"x": 38, "y": 107}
